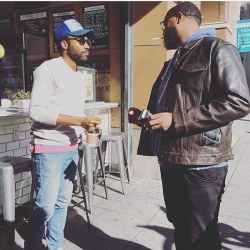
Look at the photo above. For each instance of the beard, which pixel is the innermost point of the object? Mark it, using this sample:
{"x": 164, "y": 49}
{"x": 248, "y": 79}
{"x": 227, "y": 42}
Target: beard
{"x": 76, "y": 57}
{"x": 171, "y": 39}
{"x": 80, "y": 61}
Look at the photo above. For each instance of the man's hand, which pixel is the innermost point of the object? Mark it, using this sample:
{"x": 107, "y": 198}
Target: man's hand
{"x": 160, "y": 121}
{"x": 133, "y": 114}
{"x": 90, "y": 122}
{"x": 87, "y": 122}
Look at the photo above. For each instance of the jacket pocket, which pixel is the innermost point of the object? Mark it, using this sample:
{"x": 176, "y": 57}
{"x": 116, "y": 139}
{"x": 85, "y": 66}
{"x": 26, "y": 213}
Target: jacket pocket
{"x": 191, "y": 68}
{"x": 192, "y": 79}
{"x": 212, "y": 137}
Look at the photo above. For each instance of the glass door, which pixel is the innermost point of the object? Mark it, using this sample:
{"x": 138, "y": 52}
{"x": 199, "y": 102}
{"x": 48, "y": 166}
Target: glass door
{"x": 12, "y": 72}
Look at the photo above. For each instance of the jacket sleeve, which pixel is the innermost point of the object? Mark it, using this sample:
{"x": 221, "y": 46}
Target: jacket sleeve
{"x": 228, "y": 95}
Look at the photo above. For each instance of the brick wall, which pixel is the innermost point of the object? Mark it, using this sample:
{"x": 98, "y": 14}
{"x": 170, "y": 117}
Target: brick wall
{"x": 14, "y": 141}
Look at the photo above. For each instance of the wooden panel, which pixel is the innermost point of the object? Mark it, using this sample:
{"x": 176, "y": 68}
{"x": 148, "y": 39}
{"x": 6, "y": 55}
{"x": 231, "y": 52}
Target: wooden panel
{"x": 146, "y": 69}
{"x": 211, "y": 11}
{"x": 115, "y": 63}
{"x": 148, "y": 16}
{"x": 149, "y": 54}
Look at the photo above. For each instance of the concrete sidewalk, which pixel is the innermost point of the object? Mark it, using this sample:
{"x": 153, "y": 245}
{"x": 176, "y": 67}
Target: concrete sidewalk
{"x": 137, "y": 220}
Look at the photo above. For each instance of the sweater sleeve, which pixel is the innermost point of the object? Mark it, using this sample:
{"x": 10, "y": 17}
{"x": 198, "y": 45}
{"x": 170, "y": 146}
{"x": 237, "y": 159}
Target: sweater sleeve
{"x": 41, "y": 108}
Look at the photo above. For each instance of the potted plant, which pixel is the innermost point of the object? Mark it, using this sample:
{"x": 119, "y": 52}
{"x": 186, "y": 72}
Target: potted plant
{"x": 7, "y": 97}
{"x": 22, "y": 98}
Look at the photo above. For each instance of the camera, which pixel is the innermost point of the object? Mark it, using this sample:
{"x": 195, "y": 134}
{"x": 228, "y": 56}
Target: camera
{"x": 144, "y": 116}
{"x": 138, "y": 117}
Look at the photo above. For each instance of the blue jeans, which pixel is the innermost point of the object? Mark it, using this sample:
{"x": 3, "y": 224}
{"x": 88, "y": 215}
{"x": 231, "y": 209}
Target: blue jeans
{"x": 192, "y": 199}
{"x": 55, "y": 174}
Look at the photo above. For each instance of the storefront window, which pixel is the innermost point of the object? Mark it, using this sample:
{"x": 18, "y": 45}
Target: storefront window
{"x": 245, "y": 56}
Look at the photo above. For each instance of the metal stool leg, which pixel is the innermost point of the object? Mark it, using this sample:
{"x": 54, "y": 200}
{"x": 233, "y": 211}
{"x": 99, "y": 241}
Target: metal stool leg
{"x": 125, "y": 161}
{"x": 99, "y": 151}
{"x": 32, "y": 191}
{"x": 104, "y": 150}
{"x": 121, "y": 162}
{"x": 87, "y": 153}
{"x": 83, "y": 189}
{"x": 8, "y": 201}
{"x": 95, "y": 171}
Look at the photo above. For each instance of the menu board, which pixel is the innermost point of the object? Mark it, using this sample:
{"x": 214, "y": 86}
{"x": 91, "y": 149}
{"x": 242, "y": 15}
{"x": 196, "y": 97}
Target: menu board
{"x": 95, "y": 17}
{"x": 5, "y": 26}
{"x": 59, "y": 17}
{"x": 35, "y": 24}
{"x": 90, "y": 82}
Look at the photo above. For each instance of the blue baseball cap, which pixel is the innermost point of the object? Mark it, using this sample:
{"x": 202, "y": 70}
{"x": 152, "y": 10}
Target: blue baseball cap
{"x": 73, "y": 28}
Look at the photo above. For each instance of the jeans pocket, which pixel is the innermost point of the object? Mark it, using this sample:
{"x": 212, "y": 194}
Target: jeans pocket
{"x": 203, "y": 176}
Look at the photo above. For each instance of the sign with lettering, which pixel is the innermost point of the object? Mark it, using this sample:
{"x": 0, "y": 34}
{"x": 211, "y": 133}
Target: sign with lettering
{"x": 59, "y": 17}
{"x": 35, "y": 24}
{"x": 243, "y": 35}
{"x": 95, "y": 17}
{"x": 5, "y": 26}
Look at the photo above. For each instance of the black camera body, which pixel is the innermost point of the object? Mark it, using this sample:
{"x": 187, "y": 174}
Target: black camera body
{"x": 144, "y": 116}
{"x": 138, "y": 117}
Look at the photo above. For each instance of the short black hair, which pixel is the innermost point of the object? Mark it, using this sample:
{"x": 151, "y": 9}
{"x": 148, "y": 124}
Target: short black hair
{"x": 58, "y": 45}
{"x": 187, "y": 9}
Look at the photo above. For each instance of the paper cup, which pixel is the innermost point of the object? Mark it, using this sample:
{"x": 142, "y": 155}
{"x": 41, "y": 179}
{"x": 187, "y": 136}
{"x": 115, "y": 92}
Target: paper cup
{"x": 93, "y": 136}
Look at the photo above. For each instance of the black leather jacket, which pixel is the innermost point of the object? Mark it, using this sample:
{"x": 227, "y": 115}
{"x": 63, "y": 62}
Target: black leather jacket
{"x": 206, "y": 92}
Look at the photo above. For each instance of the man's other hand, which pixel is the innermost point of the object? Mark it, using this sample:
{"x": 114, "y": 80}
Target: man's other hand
{"x": 160, "y": 121}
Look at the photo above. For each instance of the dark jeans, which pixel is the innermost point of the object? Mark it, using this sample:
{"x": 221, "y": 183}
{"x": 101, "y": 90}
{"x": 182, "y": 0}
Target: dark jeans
{"x": 192, "y": 199}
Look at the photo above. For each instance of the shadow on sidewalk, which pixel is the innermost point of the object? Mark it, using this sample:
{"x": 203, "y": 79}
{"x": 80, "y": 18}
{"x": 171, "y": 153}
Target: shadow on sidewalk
{"x": 166, "y": 232}
{"x": 229, "y": 236}
{"x": 78, "y": 232}
{"x": 233, "y": 238}
{"x": 3, "y": 243}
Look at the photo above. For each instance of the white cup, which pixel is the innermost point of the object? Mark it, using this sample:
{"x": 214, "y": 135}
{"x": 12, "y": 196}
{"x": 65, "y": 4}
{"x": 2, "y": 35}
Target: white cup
{"x": 93, "y": 136}
{"x": 6, "y": 103}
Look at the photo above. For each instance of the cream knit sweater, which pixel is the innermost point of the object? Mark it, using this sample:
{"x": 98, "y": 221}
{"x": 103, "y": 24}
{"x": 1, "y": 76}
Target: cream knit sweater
{"x": 57, "y": 89}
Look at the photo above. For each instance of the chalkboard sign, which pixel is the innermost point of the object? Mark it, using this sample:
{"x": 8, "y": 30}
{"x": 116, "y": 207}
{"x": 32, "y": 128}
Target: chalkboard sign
{"x": 59, "y": 17}
{"x": 6, "y": 26}
{"x": 95, "y": 17}
{"x": 35, "y": 24}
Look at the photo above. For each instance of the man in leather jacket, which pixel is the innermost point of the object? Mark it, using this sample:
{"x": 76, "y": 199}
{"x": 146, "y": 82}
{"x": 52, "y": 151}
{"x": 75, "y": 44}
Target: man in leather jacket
{"x": 193, "y": 102}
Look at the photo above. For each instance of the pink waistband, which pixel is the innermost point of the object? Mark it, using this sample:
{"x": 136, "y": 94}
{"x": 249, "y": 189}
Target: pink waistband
{"x": 51, "y": 148}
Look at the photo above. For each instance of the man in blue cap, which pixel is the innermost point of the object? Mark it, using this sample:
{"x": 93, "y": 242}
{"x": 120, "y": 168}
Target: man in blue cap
{"x": 57, "y": 104}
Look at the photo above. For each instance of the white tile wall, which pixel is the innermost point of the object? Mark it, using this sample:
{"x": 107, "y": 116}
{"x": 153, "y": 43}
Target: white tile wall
{"x": 10, "y": 146}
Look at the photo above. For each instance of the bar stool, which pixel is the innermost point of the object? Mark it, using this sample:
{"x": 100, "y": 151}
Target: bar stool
{"x": 9, "y": 166}
{"x": 94, "y": 169}
{"x": 118, "y": 139}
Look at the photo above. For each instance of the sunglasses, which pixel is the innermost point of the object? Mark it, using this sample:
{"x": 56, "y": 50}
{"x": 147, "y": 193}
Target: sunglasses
{"x": 162, "y": 23}
{"x": 81, "y": 40}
